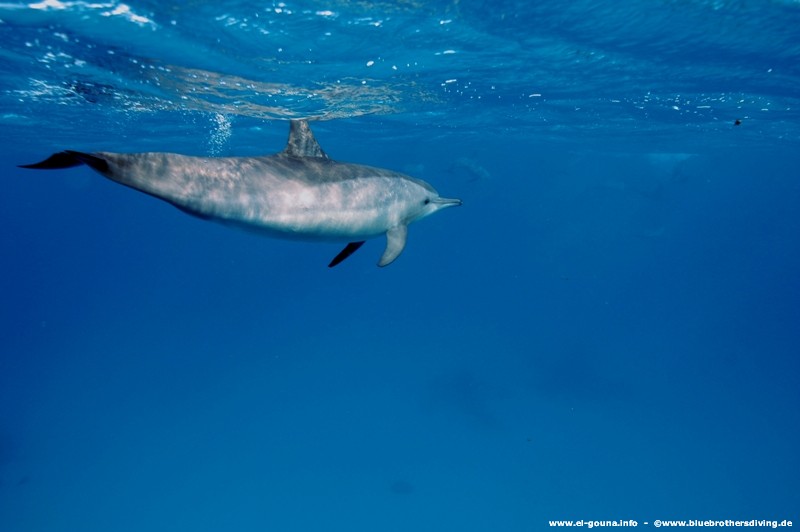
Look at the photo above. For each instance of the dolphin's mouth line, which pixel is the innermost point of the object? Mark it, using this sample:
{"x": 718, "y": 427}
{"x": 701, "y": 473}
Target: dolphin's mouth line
{"x": 447, "y": 202}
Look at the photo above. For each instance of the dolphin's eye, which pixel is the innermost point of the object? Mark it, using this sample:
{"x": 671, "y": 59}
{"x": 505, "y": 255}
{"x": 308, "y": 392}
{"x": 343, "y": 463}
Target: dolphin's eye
{"x": 427, "y": 200}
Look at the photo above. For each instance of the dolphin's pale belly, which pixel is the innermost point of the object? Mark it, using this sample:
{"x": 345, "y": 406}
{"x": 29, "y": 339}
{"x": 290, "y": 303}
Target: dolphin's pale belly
{"x": 283, "y": 196}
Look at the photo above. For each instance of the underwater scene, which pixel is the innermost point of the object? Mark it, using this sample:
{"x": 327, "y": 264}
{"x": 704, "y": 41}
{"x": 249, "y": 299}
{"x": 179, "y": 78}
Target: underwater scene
{"x": 601, "y": 328}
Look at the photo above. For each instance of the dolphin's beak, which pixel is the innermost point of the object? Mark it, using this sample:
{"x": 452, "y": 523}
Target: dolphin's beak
{"x": 446, "y": 202}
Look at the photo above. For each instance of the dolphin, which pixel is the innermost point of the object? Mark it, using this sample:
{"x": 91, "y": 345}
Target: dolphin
{"x": 298, "y": 193}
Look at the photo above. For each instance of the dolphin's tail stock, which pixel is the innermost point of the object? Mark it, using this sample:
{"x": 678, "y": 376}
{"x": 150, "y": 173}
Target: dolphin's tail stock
{"x": 68, "y": 159}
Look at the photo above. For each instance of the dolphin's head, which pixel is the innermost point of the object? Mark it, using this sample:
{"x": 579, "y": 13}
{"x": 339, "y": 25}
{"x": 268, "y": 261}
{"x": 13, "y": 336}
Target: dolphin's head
{"x": 434, "y": 203}
{"x": 427, "y": 201}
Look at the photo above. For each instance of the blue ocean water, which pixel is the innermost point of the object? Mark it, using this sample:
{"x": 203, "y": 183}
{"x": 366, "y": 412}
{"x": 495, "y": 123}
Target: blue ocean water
{"x": 608, "y": 328}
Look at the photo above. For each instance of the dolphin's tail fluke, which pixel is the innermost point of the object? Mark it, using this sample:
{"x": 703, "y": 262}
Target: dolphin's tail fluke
{"x": 68, "y": 159}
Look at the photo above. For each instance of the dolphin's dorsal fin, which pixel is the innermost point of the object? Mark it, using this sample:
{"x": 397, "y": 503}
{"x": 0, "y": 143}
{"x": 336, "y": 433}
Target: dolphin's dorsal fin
{"x": 302, "y": 142}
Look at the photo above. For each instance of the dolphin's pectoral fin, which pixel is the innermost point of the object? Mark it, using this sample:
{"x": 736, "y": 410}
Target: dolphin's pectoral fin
{"x": 348, "y": 250}
{"x": 395, "y": 242}
{"x": 68, "y": 159}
